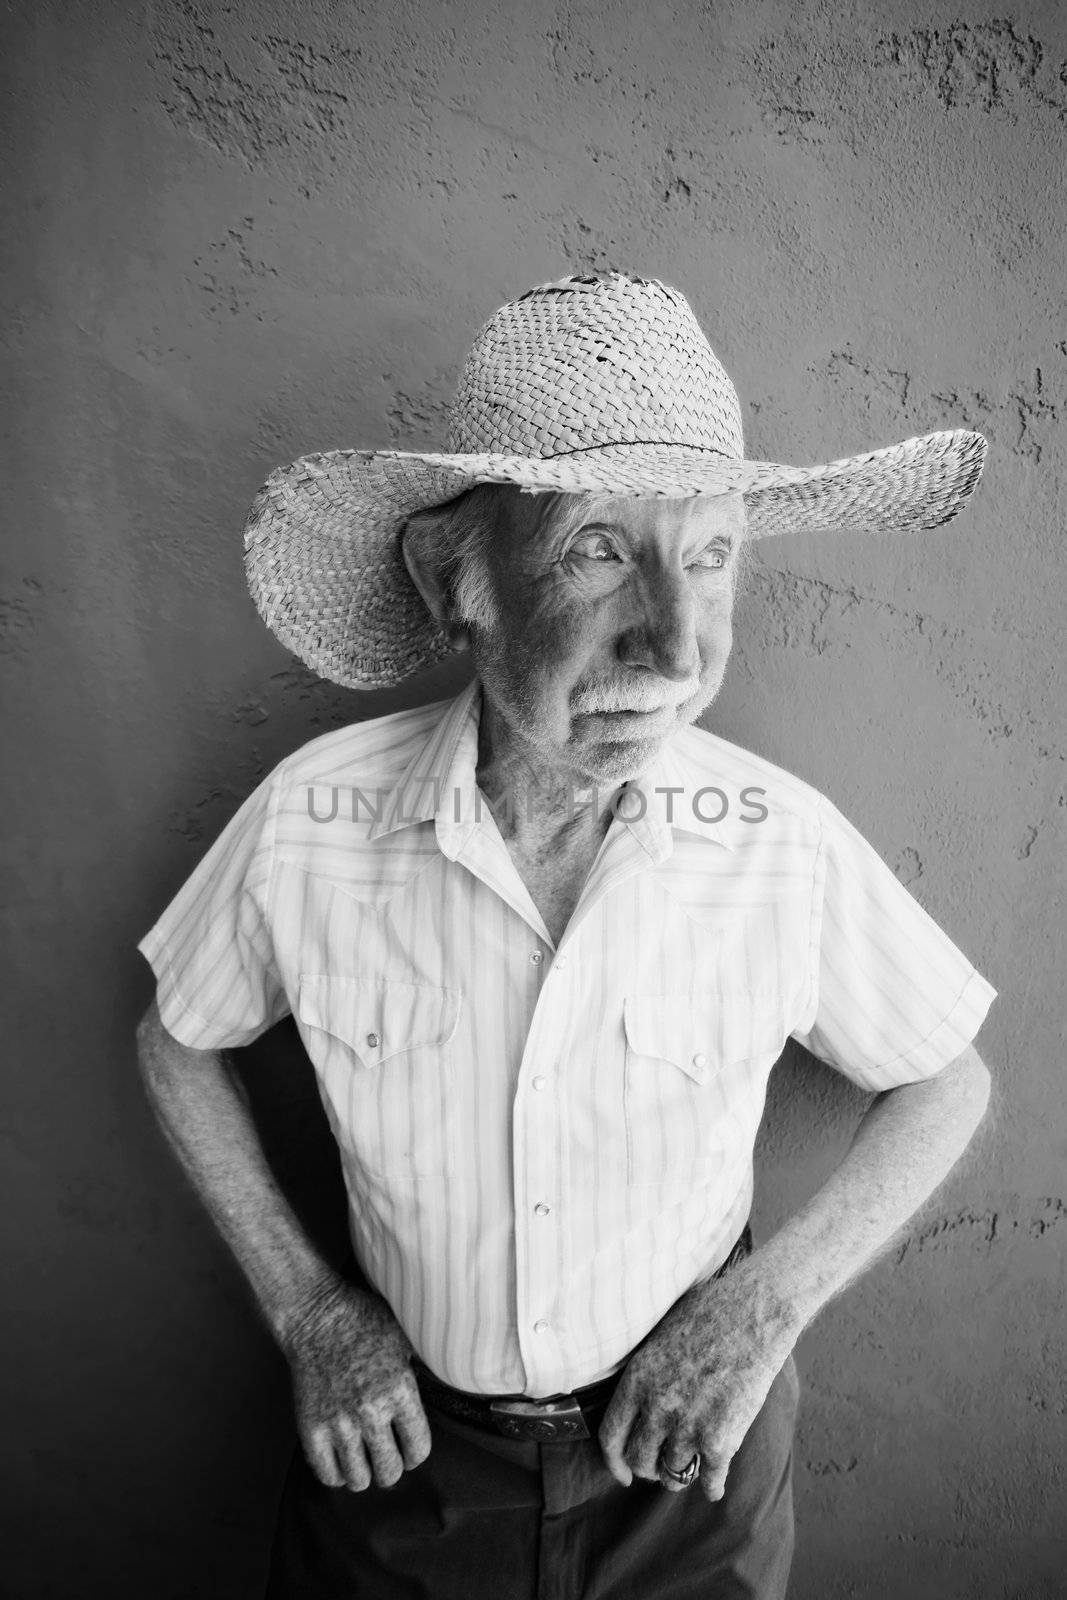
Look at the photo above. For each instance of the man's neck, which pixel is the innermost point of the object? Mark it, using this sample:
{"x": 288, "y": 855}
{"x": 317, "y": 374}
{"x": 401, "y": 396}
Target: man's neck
{"x": 537, "y": 806}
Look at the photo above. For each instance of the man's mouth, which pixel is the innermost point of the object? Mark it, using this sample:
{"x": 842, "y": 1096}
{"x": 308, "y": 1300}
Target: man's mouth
{"x": 635, "y": 703}
{"x": 628, "y": 724}
{"x": 637, "y": 713}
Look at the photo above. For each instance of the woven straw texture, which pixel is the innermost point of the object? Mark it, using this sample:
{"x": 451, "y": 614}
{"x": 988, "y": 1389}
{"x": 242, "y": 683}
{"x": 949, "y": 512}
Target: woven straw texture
{"x": 605, "y": 384}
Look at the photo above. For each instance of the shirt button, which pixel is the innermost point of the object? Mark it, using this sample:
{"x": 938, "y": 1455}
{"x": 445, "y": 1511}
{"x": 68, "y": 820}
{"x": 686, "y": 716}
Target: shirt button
{"x": 536, "y": 957}
{"x": 540, "y": 1084}
{"x": 542, "y": 1327}
{"x": 700, "y": 1060}
{"x": 374, "y": 1040}
{"x": 541, "y": 1210}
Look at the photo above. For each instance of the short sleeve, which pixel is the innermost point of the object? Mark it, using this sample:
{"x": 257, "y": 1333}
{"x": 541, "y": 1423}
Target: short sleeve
{"x": 211, "y": 950}
{"x": 896, "y": 1001}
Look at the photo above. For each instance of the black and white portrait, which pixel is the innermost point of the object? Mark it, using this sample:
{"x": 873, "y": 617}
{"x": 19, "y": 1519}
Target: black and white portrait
{"x": 532, "y": 610}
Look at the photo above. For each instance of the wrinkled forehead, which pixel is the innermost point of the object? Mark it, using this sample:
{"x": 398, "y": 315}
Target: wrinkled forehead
{"x": 552, "y": 515}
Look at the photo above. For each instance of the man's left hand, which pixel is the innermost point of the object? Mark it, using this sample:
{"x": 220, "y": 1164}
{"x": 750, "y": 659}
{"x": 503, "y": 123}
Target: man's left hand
{"x": 699, "y": 1379}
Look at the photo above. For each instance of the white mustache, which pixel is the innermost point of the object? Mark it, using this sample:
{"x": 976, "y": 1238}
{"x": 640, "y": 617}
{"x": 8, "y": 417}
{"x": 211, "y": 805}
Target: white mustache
{"x": 635, "y": 697}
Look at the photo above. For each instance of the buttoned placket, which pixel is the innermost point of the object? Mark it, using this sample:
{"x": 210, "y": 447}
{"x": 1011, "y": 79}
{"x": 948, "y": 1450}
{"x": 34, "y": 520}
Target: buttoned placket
{"x": 539, "y": 1156}
{"x": 538, "y": 1126}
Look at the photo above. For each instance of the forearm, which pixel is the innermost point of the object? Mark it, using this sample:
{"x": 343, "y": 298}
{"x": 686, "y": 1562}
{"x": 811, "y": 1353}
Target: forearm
{"x": 699, "y": 1380}
{"x": 211, "y": 1131}
{"x": 907, "y": 1142}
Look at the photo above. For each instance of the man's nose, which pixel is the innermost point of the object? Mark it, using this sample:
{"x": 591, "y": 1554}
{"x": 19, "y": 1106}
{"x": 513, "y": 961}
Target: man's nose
{"x": 663, "y": 635}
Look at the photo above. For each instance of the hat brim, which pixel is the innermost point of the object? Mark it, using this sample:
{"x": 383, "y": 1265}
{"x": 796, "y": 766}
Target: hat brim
{"x": 322, "y": 553}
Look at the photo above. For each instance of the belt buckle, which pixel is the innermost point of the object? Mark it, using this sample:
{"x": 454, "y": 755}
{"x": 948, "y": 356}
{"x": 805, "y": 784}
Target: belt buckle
{"x": 542, "y": 1421}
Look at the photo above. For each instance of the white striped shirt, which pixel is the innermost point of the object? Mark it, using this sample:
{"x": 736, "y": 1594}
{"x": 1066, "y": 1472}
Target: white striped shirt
{"x": 544, "y": 1145}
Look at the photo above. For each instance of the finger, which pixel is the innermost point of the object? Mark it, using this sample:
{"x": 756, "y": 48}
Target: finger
{"x": 321, "y": 1458}
{"x": 644, "y": 1444}
{"x": 351, "y": 1454}
{"x": 412, "y": 1436}
{"x": 613, "y": 1433}
{"x": 714, "y": 1466}
{"x": 384, "y": 1456}
{"x": 713, "y": 1485}
{"x": 677, "y": 1451}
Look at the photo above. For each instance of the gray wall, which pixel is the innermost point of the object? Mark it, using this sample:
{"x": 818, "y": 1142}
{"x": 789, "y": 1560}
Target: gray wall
{"x": 239, "y": 233}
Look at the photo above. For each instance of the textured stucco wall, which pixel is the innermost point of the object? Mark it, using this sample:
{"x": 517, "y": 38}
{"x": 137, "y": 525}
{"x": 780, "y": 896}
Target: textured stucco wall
{"x": 239, "y": 232}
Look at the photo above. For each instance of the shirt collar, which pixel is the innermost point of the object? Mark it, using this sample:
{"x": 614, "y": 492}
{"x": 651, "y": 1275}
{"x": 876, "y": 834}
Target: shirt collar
{"x": 675, "y": 797}
{"x": 438, "y": 785}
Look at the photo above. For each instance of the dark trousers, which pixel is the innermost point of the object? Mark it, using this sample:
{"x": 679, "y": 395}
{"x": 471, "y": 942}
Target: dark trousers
{"x": 496, "y": 1518}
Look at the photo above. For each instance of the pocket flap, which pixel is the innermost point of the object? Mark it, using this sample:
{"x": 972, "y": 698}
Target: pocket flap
{"x": 702, "y": 1035}
{"x": 378, "y": 1019}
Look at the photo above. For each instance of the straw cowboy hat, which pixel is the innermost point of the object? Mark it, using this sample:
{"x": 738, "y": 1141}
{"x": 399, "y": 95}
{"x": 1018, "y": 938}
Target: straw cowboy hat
{"x": 601, "y": 383}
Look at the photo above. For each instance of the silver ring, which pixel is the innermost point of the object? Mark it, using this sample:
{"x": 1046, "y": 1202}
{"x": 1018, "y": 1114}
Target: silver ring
{"x": 685, "y": 1475}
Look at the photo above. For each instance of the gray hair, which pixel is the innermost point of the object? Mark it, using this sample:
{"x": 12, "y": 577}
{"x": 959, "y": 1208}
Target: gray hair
{"x": 454, "y": 538}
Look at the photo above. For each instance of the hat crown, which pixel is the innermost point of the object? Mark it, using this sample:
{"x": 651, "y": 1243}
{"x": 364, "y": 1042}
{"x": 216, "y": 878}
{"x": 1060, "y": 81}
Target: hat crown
{"x": 590, "y": 361}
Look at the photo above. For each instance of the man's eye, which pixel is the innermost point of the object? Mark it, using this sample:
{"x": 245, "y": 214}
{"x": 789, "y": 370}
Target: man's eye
{"x": 594, "y": 546}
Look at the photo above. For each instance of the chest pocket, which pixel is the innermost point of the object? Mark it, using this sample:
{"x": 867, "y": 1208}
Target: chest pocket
{"x": 695, "y": 1079}
{"x": 382, "y": 1053}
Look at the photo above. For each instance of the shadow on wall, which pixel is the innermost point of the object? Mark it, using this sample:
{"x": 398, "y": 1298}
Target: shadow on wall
{"x": 808, "y": 1123}
{"x": 280, "y": 1087}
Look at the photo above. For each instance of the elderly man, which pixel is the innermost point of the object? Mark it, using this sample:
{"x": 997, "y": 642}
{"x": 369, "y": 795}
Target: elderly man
{"x": 543, "y": 944}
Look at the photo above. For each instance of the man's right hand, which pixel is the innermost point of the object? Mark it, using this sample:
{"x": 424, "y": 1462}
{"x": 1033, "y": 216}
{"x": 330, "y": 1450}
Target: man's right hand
{"x": 358, "y": 1410}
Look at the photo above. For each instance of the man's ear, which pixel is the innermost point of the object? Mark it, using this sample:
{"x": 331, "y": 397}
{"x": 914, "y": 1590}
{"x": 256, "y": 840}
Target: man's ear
{"x": 427, "y": 579}
{"x": 426, "y": 576}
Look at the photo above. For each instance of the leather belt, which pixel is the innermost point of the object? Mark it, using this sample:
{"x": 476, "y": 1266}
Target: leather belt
{"x": 555, "y": 1420}
{"x": 562, "y": 1417}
